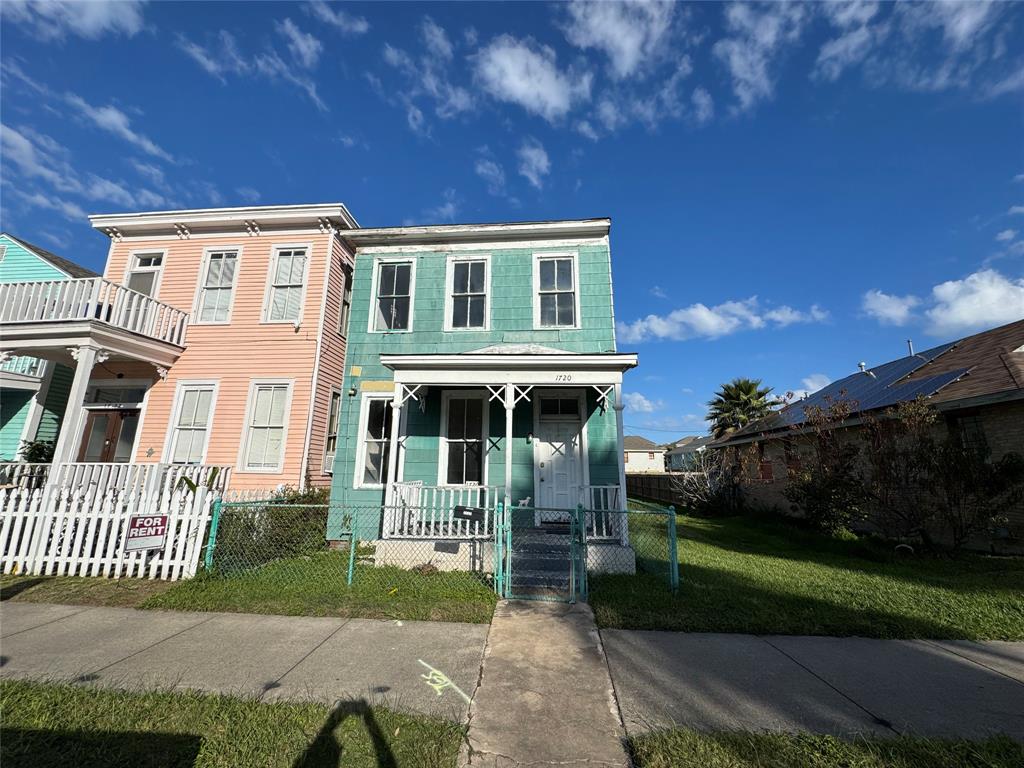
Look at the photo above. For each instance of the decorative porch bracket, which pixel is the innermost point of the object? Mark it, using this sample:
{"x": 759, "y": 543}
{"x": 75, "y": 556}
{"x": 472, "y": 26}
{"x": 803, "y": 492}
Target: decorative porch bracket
{"x": 602, "y": 395}
{"x": 520, "y": 393}
{"x": 410, "y": 393}
{"x": 497, "y": 393}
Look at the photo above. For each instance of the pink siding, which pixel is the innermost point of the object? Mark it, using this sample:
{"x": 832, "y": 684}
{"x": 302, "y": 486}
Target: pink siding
{"x": 237, "y": 352}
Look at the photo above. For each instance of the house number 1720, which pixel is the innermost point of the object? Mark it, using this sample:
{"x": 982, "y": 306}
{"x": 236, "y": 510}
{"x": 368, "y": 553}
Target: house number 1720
{"x": 563, "y": 377}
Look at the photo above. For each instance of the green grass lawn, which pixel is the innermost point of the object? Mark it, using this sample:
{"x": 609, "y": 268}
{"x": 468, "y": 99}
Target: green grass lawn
{"x": 684, "y": 748}
{"x": 305, "y": 586}
{"x": 742, "y": 574}
{"x": 48, "y": 725}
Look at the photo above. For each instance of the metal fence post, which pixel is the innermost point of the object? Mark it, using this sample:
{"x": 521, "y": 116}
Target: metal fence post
{"x": 673, "y": 550}
{"x": 353, "y": 544}
{"x": 212, "y": 542}
{"x": 581, "y": 551}
{"x": 499, "y": 533}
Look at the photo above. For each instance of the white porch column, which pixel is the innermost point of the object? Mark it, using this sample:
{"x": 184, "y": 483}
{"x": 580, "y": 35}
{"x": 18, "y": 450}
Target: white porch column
{"x": 619, "y": 434}
{"x": 86, "y": 356}
{"x": 396, "y": 423}
{"x": 510, "y": 404}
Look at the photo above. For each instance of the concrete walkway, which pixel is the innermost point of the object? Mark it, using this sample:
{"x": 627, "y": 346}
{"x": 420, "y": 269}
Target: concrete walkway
{"x": 820, "y": 684}
{"x": 272, "y": 657}
{"x": 545, "y": 697}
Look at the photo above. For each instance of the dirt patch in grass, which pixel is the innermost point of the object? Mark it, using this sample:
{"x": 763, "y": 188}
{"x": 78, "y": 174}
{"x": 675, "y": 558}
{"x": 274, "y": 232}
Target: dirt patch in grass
{"x": 684, "y": 748}
{"x": 85, "y": 726}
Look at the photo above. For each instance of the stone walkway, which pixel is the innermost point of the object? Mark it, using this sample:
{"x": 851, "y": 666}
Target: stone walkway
{"x": 545, "y": 697}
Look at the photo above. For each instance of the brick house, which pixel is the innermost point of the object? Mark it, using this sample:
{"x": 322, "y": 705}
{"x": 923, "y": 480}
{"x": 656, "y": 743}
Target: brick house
{"x": 975, "y": 383}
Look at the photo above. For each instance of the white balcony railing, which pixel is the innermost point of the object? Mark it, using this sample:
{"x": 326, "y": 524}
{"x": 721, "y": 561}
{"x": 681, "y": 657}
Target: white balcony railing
{"x": 23, "y": 365}
{"x": 425, "y": 511}
{"x": 96, "y": 299}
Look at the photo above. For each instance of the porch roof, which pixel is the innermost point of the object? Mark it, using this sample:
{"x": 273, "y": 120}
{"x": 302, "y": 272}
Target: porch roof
{"x": 554, "y": 368}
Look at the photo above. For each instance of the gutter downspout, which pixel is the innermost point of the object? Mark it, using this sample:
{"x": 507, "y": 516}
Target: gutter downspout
{"x": 315, "y": 378}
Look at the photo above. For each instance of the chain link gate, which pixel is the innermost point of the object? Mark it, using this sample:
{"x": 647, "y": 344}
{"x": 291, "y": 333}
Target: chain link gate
{"x": 540, "y": 560}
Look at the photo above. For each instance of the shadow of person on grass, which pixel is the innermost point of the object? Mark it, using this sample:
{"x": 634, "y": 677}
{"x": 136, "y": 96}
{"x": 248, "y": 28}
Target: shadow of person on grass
{"x": 11, "y": 590}
{"x": 325, "y": 751}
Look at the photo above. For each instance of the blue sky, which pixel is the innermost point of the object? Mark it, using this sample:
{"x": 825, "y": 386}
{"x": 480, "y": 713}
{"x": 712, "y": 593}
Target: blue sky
{"x": 793, "y": 188}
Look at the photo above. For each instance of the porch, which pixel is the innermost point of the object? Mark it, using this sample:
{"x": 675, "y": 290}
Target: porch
{"x": 81, "y": 324}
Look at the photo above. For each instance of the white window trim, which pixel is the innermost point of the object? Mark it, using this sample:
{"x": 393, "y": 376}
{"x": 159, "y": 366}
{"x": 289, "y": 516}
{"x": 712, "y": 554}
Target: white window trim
{"x": 243, "y": 447}
{"x": 364, "y": 417}
{"x": 268, "y": 289}
{"x": 371, "y": 323}
{"x": 449, "y": 286}
{"x": 201, "y": 284}
{"x": 328, "y": 468}
{"x": 537, "y": 258}
{"x": 130, "y": 267}
{"x": 442, "y": 461}
{"x": 165, "y": 456}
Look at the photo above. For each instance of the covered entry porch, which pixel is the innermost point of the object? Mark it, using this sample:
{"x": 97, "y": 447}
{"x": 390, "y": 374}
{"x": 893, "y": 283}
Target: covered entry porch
{"x": 538, "y": 431}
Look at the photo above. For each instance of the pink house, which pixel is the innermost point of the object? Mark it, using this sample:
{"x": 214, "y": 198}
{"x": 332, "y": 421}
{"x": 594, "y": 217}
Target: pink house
{"x": 214, "y": 337}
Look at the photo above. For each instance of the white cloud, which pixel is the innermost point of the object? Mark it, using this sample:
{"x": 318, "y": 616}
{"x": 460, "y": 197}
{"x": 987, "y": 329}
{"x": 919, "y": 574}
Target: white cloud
{"x": 248, "y": 194}
{"x": 115, "y": 121}
{"x": 630, "y": 34}
{"x": 980, "y": 300}
{"x": 658, "y": 292}
{"x": 889, "y": 309}
{"x": 152, "y": 172}
{"x": 816, "y": 381}
{"x": 69, "y": 210}
{"x": 701, "y": 321}
{"x": 446, "y": 210}
{"x": 333, "y": 15}
{"x": 436, "y": 39}
{"x": 1019, "y": 177}
{"x": 703, "y": 105}
{"x": 525, "y": 73}
{"x": 1016, "y": 210}
{"x": 585, "y": 129}
{"x": 757, "y": 36}
{"x": 57, "y": 19}
{"x": 534, "y": 164}
{"x": 221, "y": 59}
{"x": 303, "y": 46}
{"x": 271, "y": 65}
{"x": 1006, "y": 235}
{"x": 637, "y": 403}
{"x": 490, "y": 170}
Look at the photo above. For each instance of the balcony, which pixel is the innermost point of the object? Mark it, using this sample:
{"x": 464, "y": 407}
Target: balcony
{"x": 90, "y": 300}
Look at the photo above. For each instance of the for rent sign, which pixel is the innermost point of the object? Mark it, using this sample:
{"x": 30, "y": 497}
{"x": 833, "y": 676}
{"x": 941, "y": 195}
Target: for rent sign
{"x": 146, "y": 532}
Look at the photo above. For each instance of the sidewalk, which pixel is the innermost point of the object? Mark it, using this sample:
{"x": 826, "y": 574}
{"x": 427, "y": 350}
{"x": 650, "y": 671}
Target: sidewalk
{"x": 545, "y": 697}
{"x": 835, "y": 685}
{"x": 273, "y": 657}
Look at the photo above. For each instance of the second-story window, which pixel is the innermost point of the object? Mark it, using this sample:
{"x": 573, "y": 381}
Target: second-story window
{"x": 218, "y": 286}
{"x": 144, "y": 274}
{"x": 346, "y": 301}
{"x": 287, "y": 279}
{"x": 556, "y": 292}
{"x": 394, "y": 296}
{"x": 467, "y": 287}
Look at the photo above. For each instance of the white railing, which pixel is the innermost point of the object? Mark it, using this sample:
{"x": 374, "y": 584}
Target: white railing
{"x": 425, "y": 511}
{"x": 597, "y": 500}
{"x": 95, "y": 299}
{"x": 16, "y": 475}
{"x": 75, "y": 524}
{"x": 23, "y": 365}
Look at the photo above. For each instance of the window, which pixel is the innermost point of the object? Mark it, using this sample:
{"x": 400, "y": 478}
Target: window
{"x": 144, "y": 275}
{"x": 191, "y": 423}
{"x": 3, "y": 252}
{"x": 217, "y": 286}
{"x": 346, "y": 301}
{"x": 556, "y": 292}
{"x": 650, "y": 454}
{"x": 263, "y": 445}
{"x": 394, "y": 296}
{"x": 372, "y": 469}
{"x": 464, "y": 440}
{"x": 560, "y": 407}
{"x": 331, "y": 441}
{"x": 288, "y": 274}
{"x": 467, "y": 294}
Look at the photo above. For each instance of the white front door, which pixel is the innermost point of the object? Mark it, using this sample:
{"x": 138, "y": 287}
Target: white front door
{"x": 559, "y": 468}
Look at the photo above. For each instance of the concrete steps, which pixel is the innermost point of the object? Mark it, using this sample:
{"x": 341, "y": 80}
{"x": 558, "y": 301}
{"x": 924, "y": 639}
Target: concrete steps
{"x": 541, "y": 561}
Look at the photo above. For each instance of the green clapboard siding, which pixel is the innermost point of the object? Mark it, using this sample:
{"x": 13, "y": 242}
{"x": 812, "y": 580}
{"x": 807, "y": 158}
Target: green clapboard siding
{"x": 21, "y": 265}
{"x": 511, "y": 322}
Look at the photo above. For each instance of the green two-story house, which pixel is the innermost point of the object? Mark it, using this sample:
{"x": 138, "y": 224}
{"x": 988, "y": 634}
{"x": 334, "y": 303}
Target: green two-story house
{"x": 481, "y": 368}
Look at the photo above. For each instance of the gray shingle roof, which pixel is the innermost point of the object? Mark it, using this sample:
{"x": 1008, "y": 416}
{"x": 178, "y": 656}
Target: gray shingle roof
{"x": 64, "y": 265}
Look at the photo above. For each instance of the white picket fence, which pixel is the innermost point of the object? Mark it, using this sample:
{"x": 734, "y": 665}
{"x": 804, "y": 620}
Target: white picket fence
{"x": 76, "y": 522}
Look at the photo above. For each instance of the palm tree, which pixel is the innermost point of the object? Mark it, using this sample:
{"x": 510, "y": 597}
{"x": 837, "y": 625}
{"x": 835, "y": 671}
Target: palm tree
{"x": 736, "y": 404}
